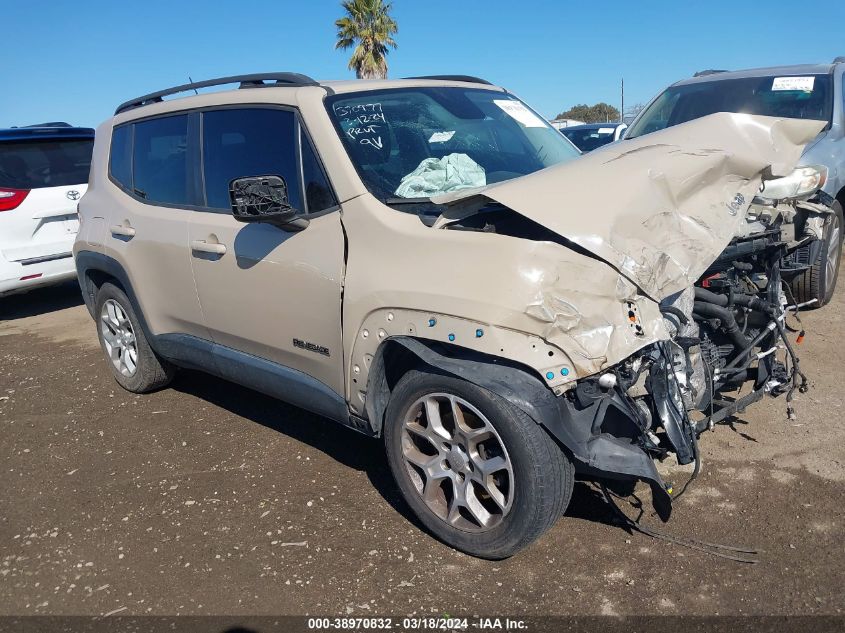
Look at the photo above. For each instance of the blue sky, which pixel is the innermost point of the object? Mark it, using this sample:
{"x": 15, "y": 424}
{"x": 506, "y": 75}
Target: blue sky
{"x": 75, "y": 61}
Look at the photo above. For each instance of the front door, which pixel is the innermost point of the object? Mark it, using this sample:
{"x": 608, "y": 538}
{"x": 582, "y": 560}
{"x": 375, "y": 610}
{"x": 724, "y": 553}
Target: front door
{"x": 266, "y": 291}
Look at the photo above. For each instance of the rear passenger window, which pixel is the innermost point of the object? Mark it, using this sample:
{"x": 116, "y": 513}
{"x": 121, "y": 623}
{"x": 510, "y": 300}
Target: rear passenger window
{"x": 160, "y": 165}
{"x": 120, "y": 159}
{"x": 318, "y": 193}
{"x": 244, "y": 142}
{"x": 39, "y": 163}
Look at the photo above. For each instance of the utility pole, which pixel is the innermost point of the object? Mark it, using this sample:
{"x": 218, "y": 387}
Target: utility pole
{"x": 622, "y": 111}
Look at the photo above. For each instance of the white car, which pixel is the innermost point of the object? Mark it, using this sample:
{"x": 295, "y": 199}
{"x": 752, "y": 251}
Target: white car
{"x": 43, "y": 173}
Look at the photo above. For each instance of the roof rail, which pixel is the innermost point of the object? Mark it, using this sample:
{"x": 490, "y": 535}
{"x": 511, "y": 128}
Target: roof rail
{"x": 839, "y": 60}
{"x": 466, "y": 78}
{"x": 709, "y": 71}
{"x": 245, "y": 81}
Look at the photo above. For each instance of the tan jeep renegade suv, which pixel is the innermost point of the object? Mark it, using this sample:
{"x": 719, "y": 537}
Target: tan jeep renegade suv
{"x": 424, "y": 261}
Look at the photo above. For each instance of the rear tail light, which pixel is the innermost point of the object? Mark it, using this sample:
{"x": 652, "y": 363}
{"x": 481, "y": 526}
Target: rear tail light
{"x": 12, "y": 198}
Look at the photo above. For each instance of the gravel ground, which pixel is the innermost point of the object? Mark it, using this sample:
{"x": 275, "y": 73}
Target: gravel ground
{"x": 208, "y": 498}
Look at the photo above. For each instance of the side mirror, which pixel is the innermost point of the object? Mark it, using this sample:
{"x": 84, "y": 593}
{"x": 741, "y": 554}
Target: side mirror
{"x": 264, "y": 199}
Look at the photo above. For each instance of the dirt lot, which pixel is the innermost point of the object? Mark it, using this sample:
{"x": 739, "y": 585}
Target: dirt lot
{"x": 208, "y": 498}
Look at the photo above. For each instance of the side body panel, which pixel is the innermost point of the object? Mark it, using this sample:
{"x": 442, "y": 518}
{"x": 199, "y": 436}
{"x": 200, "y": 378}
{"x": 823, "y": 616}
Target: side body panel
{"x": 829, "y": 150}
{"x": 93, "y": 216}
{"x": 532, "y": 295}
{"x": 274, "y": 294}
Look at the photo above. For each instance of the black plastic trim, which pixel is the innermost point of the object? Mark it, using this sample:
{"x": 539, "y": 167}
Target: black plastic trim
{"x": 90, "y": 261}
{"x": 184, "y": 350}
{"x": 44, "y": 258}
{"x": 245, "y": 81}
{"x": 595, "y": 452}
{"x": 463, "y": 78}
{"x": 285, "y": 383}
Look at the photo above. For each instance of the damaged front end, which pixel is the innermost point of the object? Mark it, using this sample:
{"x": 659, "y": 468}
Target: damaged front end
{"x": 703, "y": 262}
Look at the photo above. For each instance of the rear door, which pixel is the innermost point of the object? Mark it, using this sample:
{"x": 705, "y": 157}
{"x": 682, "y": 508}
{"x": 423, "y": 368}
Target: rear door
{"x": 41, "y": 180}
{"x": 149, "y": 197}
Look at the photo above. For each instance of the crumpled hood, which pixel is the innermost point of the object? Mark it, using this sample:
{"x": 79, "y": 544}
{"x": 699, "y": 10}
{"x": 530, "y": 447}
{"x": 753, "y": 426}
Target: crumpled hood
{"x": 659, "y": 208}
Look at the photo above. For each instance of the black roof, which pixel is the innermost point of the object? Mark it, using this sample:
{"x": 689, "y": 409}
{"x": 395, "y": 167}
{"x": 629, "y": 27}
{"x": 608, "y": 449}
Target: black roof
{"x": 54, "y": 130}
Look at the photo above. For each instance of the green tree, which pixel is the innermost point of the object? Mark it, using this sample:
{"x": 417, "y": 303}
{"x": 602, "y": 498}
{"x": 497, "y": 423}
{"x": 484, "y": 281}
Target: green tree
{"x": 598, "y": 113}
{"x": 368, "y": 27}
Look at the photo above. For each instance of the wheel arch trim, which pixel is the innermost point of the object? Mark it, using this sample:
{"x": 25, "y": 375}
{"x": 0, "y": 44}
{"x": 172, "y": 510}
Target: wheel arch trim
{"x": 89, "y": 264}
{"x": 600, "y": 454}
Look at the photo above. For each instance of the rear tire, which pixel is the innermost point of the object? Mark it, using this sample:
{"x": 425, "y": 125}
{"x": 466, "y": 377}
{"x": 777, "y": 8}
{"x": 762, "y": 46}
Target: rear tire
{"x": 133, "y": 363}
{"x": 516, "y": 482}
{"x": 819, "y": 281}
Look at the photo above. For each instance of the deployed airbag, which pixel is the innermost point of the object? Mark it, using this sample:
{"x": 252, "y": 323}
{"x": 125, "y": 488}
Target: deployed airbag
{"x": 435, "y": 176}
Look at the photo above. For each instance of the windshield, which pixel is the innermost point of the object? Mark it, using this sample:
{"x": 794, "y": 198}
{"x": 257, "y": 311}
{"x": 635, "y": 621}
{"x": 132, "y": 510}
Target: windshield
{"x": 589, "y": 139}
{"x": 420, "y": 142}
{"x": 33, "y": 164}
{"x": 795, "y": 97}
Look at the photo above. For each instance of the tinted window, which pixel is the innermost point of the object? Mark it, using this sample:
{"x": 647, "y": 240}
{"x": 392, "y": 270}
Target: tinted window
{"x": 248, "y": 142}
{"x": 160, "y": 160}
{"x": 794, "y": 97}
{"x": 318, "y": 193}
{"x": 120, "y": 159}
{"x": 589, "y": 139}
{"x": 36, "y": 164}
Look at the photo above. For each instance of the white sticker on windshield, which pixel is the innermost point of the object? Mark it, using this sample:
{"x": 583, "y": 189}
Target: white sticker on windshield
{"x": 441, "y": 137}
{"x": 518, "y": 111}
{"x": 605, "y": 130}
{"x": 794, "y": 83}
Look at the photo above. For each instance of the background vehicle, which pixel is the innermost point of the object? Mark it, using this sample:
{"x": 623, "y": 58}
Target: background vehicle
{"x": 801, "y": 92}
{"x": 43, "y": 173}
{"x": 398, "y": 256}
{"x": 589, "y": 136}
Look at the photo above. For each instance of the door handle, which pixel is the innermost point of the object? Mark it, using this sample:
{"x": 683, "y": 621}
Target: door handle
{"x": 123, "y": 231}
{"x": 208, "y": 247}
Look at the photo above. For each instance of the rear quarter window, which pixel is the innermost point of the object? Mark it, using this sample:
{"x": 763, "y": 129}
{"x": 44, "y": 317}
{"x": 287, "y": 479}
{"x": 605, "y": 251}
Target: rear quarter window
{"x": 35, "y": 164}
{"x": 120, "y": 158}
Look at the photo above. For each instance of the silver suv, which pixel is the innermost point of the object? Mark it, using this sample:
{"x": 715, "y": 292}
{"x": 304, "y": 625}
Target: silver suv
{"x": 815, "y": 92}
{"x": 429, "y": 262}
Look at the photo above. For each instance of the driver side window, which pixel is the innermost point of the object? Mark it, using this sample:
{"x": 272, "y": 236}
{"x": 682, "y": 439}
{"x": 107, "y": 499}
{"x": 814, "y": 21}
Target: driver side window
{"x": 241, "y": 142}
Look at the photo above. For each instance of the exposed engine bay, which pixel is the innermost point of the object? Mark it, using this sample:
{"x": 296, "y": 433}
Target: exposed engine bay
{"x": 733, "y": 338}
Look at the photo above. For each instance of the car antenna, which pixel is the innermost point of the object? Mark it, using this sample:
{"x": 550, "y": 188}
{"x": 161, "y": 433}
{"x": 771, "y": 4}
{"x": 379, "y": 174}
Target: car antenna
{"x": 190, "y": 81}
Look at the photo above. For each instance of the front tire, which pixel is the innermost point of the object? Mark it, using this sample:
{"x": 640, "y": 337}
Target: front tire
{"x": 819, "y": 281}
{"x": 133, "y": 363}
{"x": 478, "y": 473}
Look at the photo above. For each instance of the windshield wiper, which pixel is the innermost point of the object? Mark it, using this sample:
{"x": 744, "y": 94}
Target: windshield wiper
{"x": 407, "y": 200}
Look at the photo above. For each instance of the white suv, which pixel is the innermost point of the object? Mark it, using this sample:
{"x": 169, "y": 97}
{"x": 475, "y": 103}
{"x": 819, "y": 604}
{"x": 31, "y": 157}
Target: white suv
{"x": 43, "y": 173}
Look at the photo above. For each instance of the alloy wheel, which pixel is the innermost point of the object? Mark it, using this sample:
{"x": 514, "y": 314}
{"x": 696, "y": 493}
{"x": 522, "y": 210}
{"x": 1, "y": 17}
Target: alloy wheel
{"x": 457, "y": 462}
{"x": 119, "y": 338}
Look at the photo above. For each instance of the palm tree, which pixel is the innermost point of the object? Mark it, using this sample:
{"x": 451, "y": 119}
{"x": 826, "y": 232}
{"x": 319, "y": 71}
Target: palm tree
{"x": 369, "y": 28}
